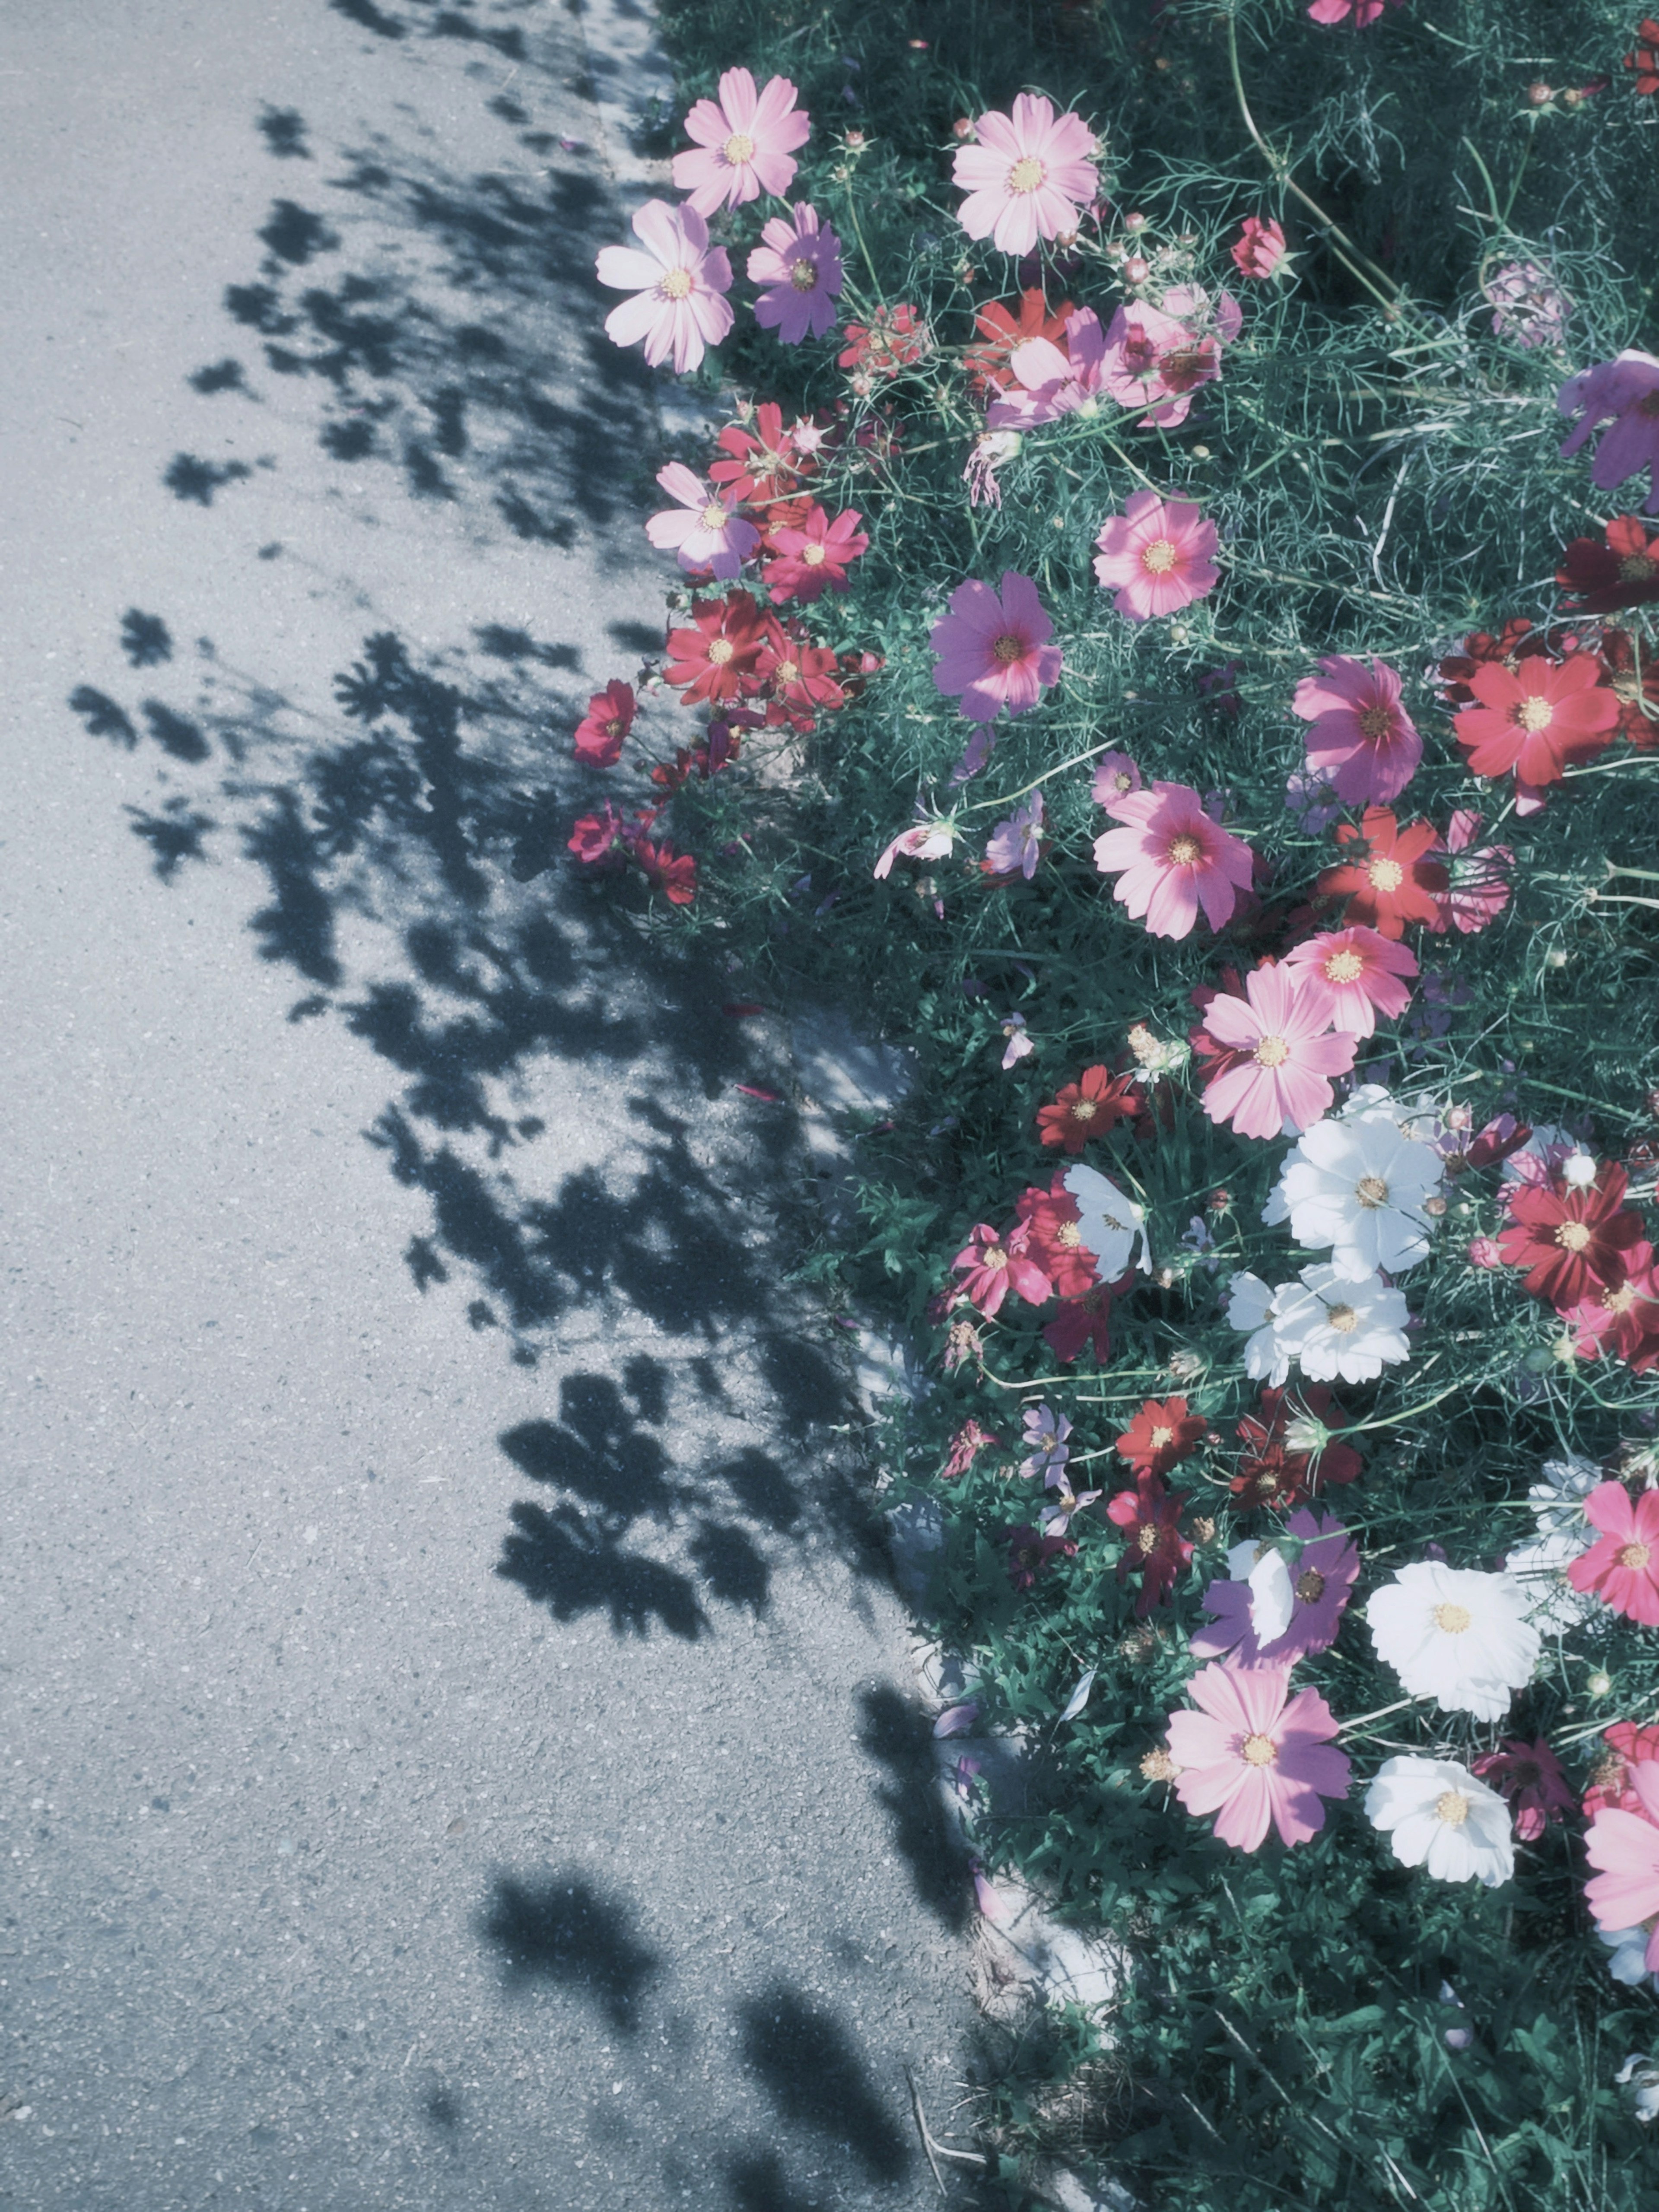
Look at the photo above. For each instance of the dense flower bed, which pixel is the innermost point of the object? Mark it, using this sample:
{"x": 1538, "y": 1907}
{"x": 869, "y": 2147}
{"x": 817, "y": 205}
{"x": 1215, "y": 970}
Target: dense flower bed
{"x": 1185, "y": 657}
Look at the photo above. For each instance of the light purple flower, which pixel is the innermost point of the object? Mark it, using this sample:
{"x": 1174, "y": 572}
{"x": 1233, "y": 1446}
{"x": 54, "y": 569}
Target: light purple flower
{"x": 973, "y": 753}
{"x": 1312, "y": 801}
{"x": 1115, "y": 776}
{"x": 1623, "y": 392}
{"x": 1019, "y": 1044}
{"x": 1046, "y": 1432}
{"x": 800, "y": 264}
{"x": 1319, "y": 1584}
{"x": 993, "y": 647}
{"x": 1017, "y": 844}
{"x": 705, "y": 530}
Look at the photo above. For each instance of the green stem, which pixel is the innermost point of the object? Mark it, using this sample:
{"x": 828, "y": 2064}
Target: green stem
{"x": 982, "y": 806}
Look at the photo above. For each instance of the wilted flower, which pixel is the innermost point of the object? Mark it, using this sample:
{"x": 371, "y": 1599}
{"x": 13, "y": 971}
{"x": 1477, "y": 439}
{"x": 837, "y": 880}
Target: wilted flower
{"x": 1259, "y": 248}
{"x": 1529, "y": 307}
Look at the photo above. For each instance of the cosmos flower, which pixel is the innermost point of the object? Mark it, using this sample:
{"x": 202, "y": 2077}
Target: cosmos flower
{"x": 1462, "y": 1638}
{"x": 1441, "y": 1817}
{"x": 744, "y": 144}
{"x": 1361, "y": 972}
{"x": 993, "y": 648}
{"x": 1157, "y": 556}
{"x": 1173, "y": 858}
{"x": 1362, "y": 743}
{"x": 1356, "y": 1184}
{"x": 1256, "y": 1756}
{"x": 1286, "y": 1054}
{"x": 1028, "y": 175}
{"x": 798, "y": 266}
{"x": 678, "y": 282}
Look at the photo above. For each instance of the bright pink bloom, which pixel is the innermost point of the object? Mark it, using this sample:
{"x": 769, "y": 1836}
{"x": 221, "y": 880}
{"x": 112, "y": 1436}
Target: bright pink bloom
{"x": 1626, "y": 1847}
{"x": 1624, "y": 1322}
{"x": 1157, "y": 556}
{"x": 1174, "y": 859}
{"x": 1259, "y": 248}
{"x": 1361, "y": 973}
{"x": 1623, "y": 1569}
{"x": 1625, "y": 392}
{"x": 1479, "y": 887}
{"x": 990, "y": 1267}
{"x": 609, "y": 719}
{"x": 1282, "y": 1080}
{"x": 1028, "y": 177}
{"x": 677, "y": 282}
{"x": 1363, "y": 742}
{"x": 594, "y": 837}
{"x": 1529, "y": 1776}
{"x": 799, "y": 265}
{"x": 1152, "y": 361}
{"x": 1050, "y": 383}
{"x": 1115, "y": 776}
{"x": 705, "y": 530}
{"x": 1360, "y": 13}
{"x": 744, "y": 144}
{"x": 1254, "y": 1759}
{"x": 815, "y": 556}
{"x": 994, "y": 650}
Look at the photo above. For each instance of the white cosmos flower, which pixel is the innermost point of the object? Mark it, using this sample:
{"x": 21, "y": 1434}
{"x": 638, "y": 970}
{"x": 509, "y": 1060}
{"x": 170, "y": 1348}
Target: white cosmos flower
{"x": 1457, "y": 1636}
{"x": 1629, "y": 1962}
{"x": 1439, "y": 1816}
{"x": 1358, "y": 1184}
{"x": 1558, "y": 1502}
{"x": 1333, "y": 1327}
{"x": 1540, "y": 1569}
{"x": 1109, "y": 1221}
{"x": 1641, "y": 2077}
{"x": 1250, "y": 1307}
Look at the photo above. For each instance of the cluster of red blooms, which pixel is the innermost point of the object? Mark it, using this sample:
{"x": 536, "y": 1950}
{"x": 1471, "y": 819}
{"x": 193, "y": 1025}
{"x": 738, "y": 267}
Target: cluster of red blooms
{"x": 1283, "y": 1467}
{"x": 1585, "y": 1253}
{"x": 610, "y": 840}
{"x": 893, "y": 339}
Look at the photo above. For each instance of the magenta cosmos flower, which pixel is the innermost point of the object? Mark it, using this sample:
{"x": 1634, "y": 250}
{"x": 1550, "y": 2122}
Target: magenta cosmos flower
{"x": 1625, "y": 393}
{"x": 744, "y": 144}
{"x": 678, "y": 281}
{"x": 1623, "y": 1569}
{"x": 705, "y": 530}
{"x": 993, "y": 648}
{"x": 1157, "y": 556}
{"x": 1363, "y": 742}
{"x": 1254, "y": 1759}
{"x": 1280, "y": 1083}
{"x": 1624, "y": 1846}
{"x": 1362, "y": 974}
{"x": 1028, "y": 177}
{"x": 1174, "y": 859}
{"x": 1320, "y": 1587}
{"x": 990, "y": 1269}
{"x": 799, "y": 265}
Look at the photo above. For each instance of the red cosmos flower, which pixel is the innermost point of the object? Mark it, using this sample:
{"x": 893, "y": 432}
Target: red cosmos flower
{"x": 1572, "y": 1241}
{"x": 673, "y": 874}
{"x": 1610, "y": 1788}
{"x": 1623, "y": 1569}
{"x": 1055, "y": 1240}
{"x": 1634, "y": 683}
{"x": 969, "y": 1442}
{"x": 609, "y": 719}
{"x": 1161, "y": 1435}
{"x": 710, "y": 661}
{"x": 594, "y": 838}
{"x": 990, "y": 1268}
{"x": 1154, "y": 1548}
{"x": 783, "y": 514}
{"x": 1284, "y": 1461}
{"x": 815, "y": 556}
{"x": 1029, "y": 1551}
{"x": 1088, "y": 1107}
{"x": 805, "y": 675}
{"x": 1644, "y": 58}
{"x": 1396, "y": 881}
{"x": 1625, "y": 1322}
{"x": 1537, "y": 719}
{"x": 987, "y": 364}
{"x": 1087, "y": 1319}
{"x": 1529, "y": 1776}
{"x": 759, "y": 464}
{"x": 893, "y": 339}
{"x": 1618, "y": 570}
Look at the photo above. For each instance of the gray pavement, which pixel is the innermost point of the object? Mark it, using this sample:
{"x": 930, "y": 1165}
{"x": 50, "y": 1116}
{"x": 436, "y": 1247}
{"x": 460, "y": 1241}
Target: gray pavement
{"x": 456, "y": 1743}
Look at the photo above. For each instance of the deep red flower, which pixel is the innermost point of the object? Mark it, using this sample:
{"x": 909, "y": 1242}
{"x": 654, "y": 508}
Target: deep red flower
{"x": 1528, "y": 1775}
{"x": 1571, "y": 1241}
{"x": 969, "y": 1442}
{"x": 1087, "y": 1319}
{"x": 1154, "y": 1546}
{"x": 673, "y": 874}
{"x": 813, "y": 556}
{"x": 1644, "y": 57}
{"x": 1634, "y": 683}
{"x": 987, "y": 364}
{"x": 1623, "y": 1322}
{"x": 991, "y": 1266}
{"x": 1096, "y": 1102}
{"x": 1394, "y": 878}
{"x": 710, "y": 661}
{"x": 803, "y": 674}
{"x": 1056, "y": 1240}
{"x": 1161, "y": 1435}
{"x": 1282, "y": 1465}
{"x": 760, "y": 464}
{"x": 1620, "y": 569}
{"x": 1610, "y": 1786}
{"x": 609, "y": 719}
{"x": 595, "y": 836}
{"x": 1029, "y": 1551}
{"x": 1538, "y": 719}
{"x": 1515, "y": 641}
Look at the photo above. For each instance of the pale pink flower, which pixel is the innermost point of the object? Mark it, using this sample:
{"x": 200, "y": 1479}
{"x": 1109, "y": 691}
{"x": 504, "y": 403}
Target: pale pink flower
{"x": 1028, "y": 177}
{"x": 1360, "y": 972}
{"x": 929, "y": 839}
{"x": 1361, "y": 14}
{"x": 993, "y": 648}
{"x": 1115, "y": 776}
{"x": 1254, "y": 1759}
{"x": 1174, "y": 859}
{"x": 677, "y": 282}
{"x": 1363, "y": 742}
{"x": 1626, "y": 1847}
{"x": 705, "y": 529}
{"x": 1259, "y": 248}
{"x": 1625, "y": 392}
{"x": 1479, "y": 889}
{"x": 1015, "y": 845}
{"x": 1051, "y": 383}
{"x": 744, "y": 144}
{"x": 800, "y": 264}
{"x": 1157, "y": 556}
{"x": 1152, "y": 361}
{"x": 1528, "y": 307}
{"x": 1017, "y": 1040}
{"x": 1280, "y": 1084}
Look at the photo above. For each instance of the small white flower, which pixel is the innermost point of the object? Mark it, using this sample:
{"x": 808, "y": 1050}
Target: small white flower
{"x": 1109, "y": 1222}
{"x": 1558, "y": 1502}
{"x": 1641, "y": 2075}
{"x": 1439, "y": 1816}
{"x": 1335, "y": 1327}
{"x": 1629, "y": 1962}
{"x": 1540, "y": 1569}
{"x": 1578, "y": 1170}
{"x": 1459, "y": 1637}
{"x": 1358, "y": 1184}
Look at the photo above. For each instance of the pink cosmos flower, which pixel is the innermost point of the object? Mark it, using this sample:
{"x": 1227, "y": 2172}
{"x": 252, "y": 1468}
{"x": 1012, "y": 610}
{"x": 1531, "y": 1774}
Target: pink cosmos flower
{"x": 705, "y": 529}
{"x": 800, "y": 264}
{"x": 1626, "y": 1847}
{"x": 990, "y": 1269}
{"x": 1028, "y": 177}
{"x": 1259, "y": 248}
{"x": 1360, "y": 972}
{"x": 814, "y": 556}
{"x": 677, "y": 282}
{"x": 1015, "y": 845}
{"x": 1255, "y": 1759}
{"x": 1363, "y": 742}
{"x": 1174, "y": 859}
{"x": 1155, "y": 361}
{"x": 1360, "y": 13}
{"x": 1625, "y": 392}
{"x": 744, "y": 144}
{"x": 609, "y": 719}
{"x": 994, "y": 649}
{"x": 1325, "y": 1575}
{"x": 929, "y": 839}
{"x": 1051, "y": 383}
{"x": 1019, "y": 1044}
{"x": 1478, "y": 890}
{"x": 1157, "y": 556}
{"x": 1115, "y": 776}
{"x": 1623, "y": 1569}
{"x": 1281, "y": 1081}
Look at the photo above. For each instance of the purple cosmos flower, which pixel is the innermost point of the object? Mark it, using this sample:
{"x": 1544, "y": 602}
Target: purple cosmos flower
{"x": 799, "y": 266}
{"x": 1046, "y": 1432}
{"x": 1623, "y": 392}
{"x": 1017, "y": 844}
{"x": 1320, "y": 1586}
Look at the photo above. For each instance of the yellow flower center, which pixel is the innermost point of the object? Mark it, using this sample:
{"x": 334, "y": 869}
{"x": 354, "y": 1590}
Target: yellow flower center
{"x": 1534, "y": 715}
{"x": 1371, "y": 1192}
{"x": 1638, "y": 567}
{"x": 1257, "y": 1751}
{"x": 1309, "y": 1587}
{"x": 1272, "y": 1052}
{"x": 1159, "y": 557}
{"x": 1082, "y": 1109}
{"x": 1069, "y": 1236}
{"x": 1619, "y": 1301}
{"x": 1184, "y": 850}
{"x": 804, "y": 275}
{"x": 1146, "y": 1538}
{"x": 788, "y": 672}
{"x": 1025, "y": 175}
{"x": 714, "y": 516}
{"x": 739, "y": 147}
{"x": 1633, "y": 1557}
{"x": 1374, "y": 722}
{"x": 813, "y": 556}
{"x": 1386, "y": 875}
{"x": 676, "y": 284}
{"x": 1161, "y": 1436}
{"x": 1343, "y": 967}
{"x": 1343, "y": 1319}
{"x": 1007, "y": 648}
{"x": 722, "y": 651}
{"x": 994, "y": 1256}
{"x": 1453, "y": 1620}
{"x": 1452, "y": 1807}
{"x": 613, "y": 728}
{"x": 1573, "y": 1235}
